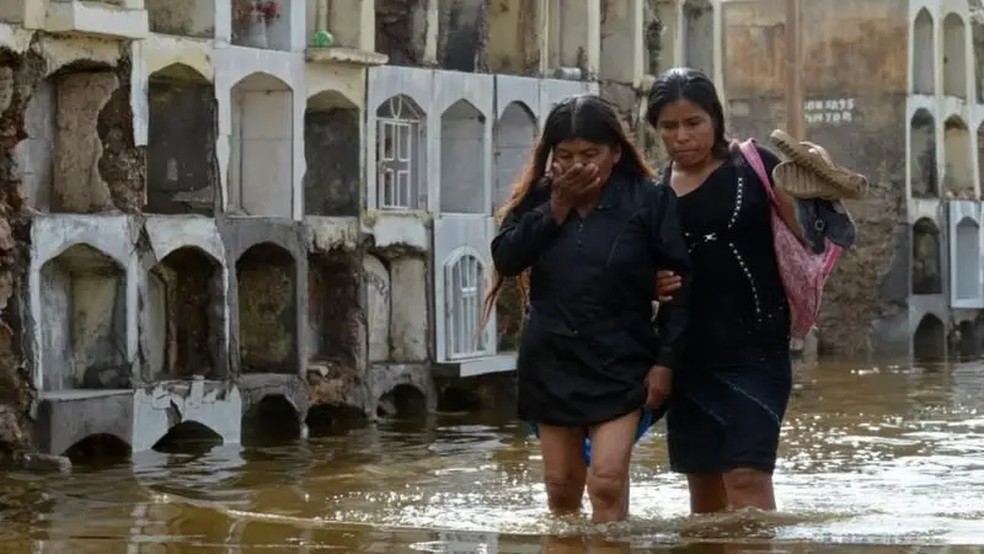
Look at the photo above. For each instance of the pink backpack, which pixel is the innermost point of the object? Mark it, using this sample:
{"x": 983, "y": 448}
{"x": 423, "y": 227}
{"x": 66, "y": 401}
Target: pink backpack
{"x": 803, "y": 273}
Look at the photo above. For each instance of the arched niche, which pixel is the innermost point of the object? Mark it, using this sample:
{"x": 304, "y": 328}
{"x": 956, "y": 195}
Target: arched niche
{"x": 922, "y": 155}
{"x": 923, "y": 54}
{"x": 463, "y": 152}
{"x": 514, "y": 140}
{"x": 927, "y": 274}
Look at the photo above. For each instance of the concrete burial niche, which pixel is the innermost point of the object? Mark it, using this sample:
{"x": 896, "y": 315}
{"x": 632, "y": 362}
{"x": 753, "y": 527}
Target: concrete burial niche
{"x": 182, "y": 168}
{"x": 332, "y": 152}
{"x": 922, "y": 156}
{"x": 189, "y": 18}
{"x": 261, "y": 156}
{"x": 463, "y": 157}
{"x": 923, "y": 54}
{"x": 264, "y": 24}
{"x": 927, "y": 265}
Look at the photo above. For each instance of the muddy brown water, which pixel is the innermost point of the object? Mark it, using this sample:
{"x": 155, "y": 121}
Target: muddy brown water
{"x": 874, "y": 459}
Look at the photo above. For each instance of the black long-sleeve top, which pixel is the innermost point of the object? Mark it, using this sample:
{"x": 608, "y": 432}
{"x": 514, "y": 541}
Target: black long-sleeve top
{"x": 589, "y": 340}
{"x": 739, "y": 304}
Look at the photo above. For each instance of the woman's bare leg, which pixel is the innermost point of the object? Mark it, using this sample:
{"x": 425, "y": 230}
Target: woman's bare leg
{"x": 564, "y": 470}
{"x": 750, "y": 488}
{"x": 608, "y": 476}
{"x": 707, "y": 493}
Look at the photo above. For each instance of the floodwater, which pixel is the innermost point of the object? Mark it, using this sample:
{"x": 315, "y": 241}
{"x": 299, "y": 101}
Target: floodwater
{"x": 873, "y": 460}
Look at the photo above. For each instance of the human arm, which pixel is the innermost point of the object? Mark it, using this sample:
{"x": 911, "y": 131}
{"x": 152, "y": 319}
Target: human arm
{"x": 524, "y": 233}
{"x": 669, "y": 252}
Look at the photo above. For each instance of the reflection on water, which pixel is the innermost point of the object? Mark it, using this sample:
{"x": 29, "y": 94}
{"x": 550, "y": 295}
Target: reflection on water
{"x": 872, "y": 459}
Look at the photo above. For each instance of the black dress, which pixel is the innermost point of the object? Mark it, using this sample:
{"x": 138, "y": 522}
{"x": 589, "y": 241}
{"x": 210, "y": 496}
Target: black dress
{"x": 727, "y": 407}
{"x": 588, "y": 339}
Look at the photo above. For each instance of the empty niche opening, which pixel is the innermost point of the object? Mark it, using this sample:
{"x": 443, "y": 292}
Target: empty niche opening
{"x": 459, "y": 398}
{"x": 267, "y": 277}
{"x": 958, "y": 178}
{"x": 462, "y": 159}
{"x": 272, "y": 420}
{"x": 182, "y": 171}
{"x": 969, "y": 343}
{"x": 922, "y": 155}
{"x": 261, "y": 23}
{"x": 330, "y": 419}
{"x": 99, "y": 449}
{"x": 923, "y": 54}
{"x": 378, "y": 308}
{"x": 568, "y": 33}
{"x": 63, "y": 142}
{"x": 341, "y": 19}
{"x": 980, "y": 153}
{"x": 402, "y": 401}
{"x": 186, "y": 315}
{"x": 332, "y": 152}
{"x": 954, "y": 56}
{"x": 190, "y": 18}
{"x": 977, "y": 45}
{"x": 929, "y": 341}
{"x": 188, "y": 437}
{"x": 927, "y": 275}
{"x": 401, "y": 29}
{"x": 617, "y": 36}
{"x": 464, "y": 276}
{"x": 401, "y": 139}
{"x": 459, "y": 37}
{"x": 514, "y": 139}
{"x": 660, "y": 33}
{"x": 968, "y": 277}
{"x": 698, "y": 41}
{"x": 512, "y": 37}
{"x": 84, "y": 345}
{"x": 333, "y": 311}
{"x": 261, "y": 167}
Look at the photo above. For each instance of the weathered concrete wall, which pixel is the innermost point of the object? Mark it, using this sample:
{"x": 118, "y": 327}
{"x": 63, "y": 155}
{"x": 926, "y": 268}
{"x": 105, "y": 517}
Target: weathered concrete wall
{"x": 79, "y": 95}
{"x": 182, "y": 170}
{"x": 401, "y": 28}
{"x": 333, "y": 179}
{"x": 461, "y": 36}
{"x": 194, "y": 18}
{"x": 512, "y": 37}
{"x": 857, "y": 111}
{"x": 16, "y": 391}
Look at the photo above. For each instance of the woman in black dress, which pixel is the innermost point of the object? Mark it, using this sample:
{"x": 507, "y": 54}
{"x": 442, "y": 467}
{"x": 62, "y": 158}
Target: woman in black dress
{"x": 728, "y": 404}
{"x": 590, "y": 235}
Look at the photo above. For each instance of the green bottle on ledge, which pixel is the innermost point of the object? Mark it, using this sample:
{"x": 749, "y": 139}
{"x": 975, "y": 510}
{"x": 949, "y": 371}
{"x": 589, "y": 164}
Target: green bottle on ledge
{"x": 323, "y": 39}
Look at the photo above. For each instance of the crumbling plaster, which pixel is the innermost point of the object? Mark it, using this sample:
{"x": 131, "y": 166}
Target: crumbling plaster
{"x": 114, "y": 236}
{"x": 166, "y": 234}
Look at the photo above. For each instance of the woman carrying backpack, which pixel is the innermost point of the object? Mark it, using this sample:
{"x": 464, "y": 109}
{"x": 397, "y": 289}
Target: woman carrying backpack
{"x": 728, "y": 402}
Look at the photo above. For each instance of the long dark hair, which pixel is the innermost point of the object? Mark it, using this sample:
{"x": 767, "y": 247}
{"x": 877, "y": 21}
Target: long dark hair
{"x": 686, "y": 83}
{"x": 585, "y": 116}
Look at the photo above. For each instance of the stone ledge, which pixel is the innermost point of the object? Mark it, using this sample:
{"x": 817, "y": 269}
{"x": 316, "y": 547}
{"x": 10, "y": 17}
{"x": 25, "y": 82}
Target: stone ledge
{"x": 485, "y": 365}
{"x": 95, "y": 18}
{"x": 339, "y": 54}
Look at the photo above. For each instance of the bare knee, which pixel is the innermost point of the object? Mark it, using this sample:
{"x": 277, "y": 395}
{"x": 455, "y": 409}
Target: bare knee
{"x": 749, "y": 488}
{"x": 607, "y": 487}
{"x": 564, "y": 491}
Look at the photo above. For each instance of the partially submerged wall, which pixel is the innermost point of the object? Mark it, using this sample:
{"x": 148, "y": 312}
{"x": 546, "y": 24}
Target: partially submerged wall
{"x": 857, "y": 111}
{"x": 65, "y": 119}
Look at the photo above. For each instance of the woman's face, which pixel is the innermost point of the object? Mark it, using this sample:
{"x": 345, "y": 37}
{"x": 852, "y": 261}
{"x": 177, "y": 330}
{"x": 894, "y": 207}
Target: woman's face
{"x": 580, "y": 151}
{"x": 687, "y": 131}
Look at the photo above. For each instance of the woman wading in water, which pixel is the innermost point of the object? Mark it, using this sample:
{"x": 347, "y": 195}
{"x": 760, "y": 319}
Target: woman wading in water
{"x": 729, "y": 401}
{"x": 590, "y": 236}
